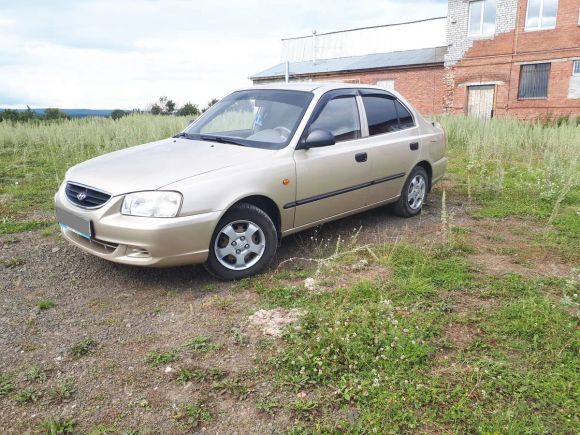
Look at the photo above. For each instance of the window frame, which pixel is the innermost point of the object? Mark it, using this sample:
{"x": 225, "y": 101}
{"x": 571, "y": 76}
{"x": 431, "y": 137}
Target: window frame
{"x": 574, "y": 63}
{"x": 321, "y": 104}
{"x": 481, "y": 32}
{"x": 540, "y": 18}
{"x": 387, "y": 97}
{"x": 547, "y": 81}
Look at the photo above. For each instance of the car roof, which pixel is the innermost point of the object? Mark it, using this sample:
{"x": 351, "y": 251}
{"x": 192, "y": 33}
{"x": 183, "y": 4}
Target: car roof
{"x": 313, "y": 86}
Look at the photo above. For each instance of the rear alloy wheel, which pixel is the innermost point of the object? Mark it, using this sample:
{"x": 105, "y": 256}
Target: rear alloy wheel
{"x": 243, "y": 244}
{"x": 413, "y": 194}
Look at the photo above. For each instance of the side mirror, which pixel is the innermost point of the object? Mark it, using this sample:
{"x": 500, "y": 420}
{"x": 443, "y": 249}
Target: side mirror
{"x": 318, "y": 138}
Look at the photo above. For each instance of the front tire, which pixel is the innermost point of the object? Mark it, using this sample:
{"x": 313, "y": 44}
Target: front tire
{"x": 243, "y": 243}
{"x": 414, "y": 193}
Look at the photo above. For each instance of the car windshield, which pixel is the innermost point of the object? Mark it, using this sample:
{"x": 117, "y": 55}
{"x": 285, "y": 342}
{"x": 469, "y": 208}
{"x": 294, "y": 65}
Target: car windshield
{"x": 260, "y": 118}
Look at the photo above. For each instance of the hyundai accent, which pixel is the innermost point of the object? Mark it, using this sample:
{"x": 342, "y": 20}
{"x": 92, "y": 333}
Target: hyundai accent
{"x": 261, "y": 164}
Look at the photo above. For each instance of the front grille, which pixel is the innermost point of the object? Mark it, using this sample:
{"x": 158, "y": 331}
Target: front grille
{"x": 85, "y": 196}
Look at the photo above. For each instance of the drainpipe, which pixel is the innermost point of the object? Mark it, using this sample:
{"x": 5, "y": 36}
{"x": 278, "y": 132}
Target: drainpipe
{"x": 314, "y": 47}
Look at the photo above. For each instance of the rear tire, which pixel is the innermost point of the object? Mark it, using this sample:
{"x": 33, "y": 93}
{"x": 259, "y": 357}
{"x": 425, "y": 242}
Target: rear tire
{"x": 413, "y": 194}
{"x": 243, "y": 243}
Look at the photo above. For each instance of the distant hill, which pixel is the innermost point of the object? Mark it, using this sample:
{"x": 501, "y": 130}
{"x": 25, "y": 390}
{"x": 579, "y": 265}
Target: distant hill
{"x": 80, "y": 113}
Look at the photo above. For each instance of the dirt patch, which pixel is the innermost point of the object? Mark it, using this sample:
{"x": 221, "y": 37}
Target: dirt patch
{"x": 460, "y": 335}
{"x": 273, "y": 322}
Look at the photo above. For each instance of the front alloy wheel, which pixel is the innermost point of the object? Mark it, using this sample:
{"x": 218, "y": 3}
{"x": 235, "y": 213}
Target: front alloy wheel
{"x": 243, "y": 243}
{"x": 239, "y": 245}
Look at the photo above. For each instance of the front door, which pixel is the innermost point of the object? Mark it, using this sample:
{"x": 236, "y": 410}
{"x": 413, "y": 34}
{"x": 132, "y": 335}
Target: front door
{"x": 480, "y": 101}
{"x": 330, "y": 180}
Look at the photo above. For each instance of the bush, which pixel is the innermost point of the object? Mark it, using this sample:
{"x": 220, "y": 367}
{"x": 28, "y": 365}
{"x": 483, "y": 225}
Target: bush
{"x": 118, "y": 113}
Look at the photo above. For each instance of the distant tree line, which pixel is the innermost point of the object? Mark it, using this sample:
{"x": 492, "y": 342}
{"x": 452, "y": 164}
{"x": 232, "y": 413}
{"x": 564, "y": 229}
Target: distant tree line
{"x": 163, "y": 106}
{"x": 166, "y": 106}
{"x": 50, "y": 114}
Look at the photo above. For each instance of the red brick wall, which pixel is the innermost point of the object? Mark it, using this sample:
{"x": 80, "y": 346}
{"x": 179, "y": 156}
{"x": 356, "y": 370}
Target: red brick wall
{"x": 498, "y": 60}
{"x": 423, "y": 86}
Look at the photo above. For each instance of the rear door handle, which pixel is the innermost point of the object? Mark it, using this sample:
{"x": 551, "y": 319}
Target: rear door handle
{"x": 361, "y": 157}
{"x": 414, "y": 146}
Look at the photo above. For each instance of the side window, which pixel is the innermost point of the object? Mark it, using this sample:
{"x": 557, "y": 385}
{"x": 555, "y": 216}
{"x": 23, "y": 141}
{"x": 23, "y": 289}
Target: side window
{"x": 340, "y": 117}
{"x": 405, "y": 117}
{"x": 381, "y": 114}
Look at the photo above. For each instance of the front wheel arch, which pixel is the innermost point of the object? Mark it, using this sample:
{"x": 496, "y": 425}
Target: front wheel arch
{"x": 267, "y": 205}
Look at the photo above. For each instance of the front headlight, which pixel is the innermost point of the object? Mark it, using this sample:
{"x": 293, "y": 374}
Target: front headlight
{"x": 152, "y": 204}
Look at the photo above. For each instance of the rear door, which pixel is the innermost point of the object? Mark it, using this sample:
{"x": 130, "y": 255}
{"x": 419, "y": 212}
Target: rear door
{"x": 331, "y": 180}
{"x": 393, "y": 143}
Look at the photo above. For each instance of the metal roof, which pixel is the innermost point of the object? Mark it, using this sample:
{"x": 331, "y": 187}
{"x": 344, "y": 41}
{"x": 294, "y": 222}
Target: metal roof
{"x": 396, "y": 59}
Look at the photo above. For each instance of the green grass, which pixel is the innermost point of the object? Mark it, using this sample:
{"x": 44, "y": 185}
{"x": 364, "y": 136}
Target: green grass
{"x": 516, "y": 168}
{"x": 192, "y": 414}
{"x": 201, "y": 344}
{"x": 36, "y": 374}
{"x": 377, "y": 347}
{"x": 28, "y": 395}
{"x": 45, "y": 304}
{"x": 6, "y": 385}
{"x": 83, "y": 347}
{"x": 158, "y": 358}
{"x": 58, "y": 427}
{"x": 63, "y": 391}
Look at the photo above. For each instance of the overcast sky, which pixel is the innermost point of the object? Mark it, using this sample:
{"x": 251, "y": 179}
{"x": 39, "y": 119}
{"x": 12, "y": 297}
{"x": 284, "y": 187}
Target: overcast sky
{"x": 124, "y": 54}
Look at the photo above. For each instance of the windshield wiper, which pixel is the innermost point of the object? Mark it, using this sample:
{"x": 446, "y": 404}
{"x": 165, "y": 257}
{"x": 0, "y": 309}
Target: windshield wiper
{"x": 184, "y": 135}
{"x": 221, "y": 139}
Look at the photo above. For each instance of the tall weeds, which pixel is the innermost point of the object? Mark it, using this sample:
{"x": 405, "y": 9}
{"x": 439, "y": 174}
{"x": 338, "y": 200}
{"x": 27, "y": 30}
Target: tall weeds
{"x": 509, "y": 157}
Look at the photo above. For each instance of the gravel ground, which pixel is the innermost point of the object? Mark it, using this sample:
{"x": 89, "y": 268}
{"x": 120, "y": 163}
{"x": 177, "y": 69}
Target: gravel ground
{"x": 128, "y": 312}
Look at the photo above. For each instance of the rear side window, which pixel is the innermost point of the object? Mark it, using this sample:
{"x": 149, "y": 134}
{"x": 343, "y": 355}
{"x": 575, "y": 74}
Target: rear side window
{"x": 340, "y": 117}
{"x": 381, "y": 114}
{"x": 405, "y": 117}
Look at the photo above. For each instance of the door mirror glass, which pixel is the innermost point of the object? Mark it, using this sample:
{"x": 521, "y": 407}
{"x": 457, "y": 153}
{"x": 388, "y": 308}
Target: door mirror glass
{"x": 318, "y": 138}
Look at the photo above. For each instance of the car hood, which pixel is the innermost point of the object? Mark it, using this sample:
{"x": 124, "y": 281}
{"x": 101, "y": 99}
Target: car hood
{"x": 155, "y": 165}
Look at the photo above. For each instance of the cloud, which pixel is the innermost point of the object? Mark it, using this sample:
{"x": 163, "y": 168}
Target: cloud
{"x": 109, "y": 54}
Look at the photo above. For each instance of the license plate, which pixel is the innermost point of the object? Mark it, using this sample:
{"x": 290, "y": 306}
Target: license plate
{"x": 75, "y": 223}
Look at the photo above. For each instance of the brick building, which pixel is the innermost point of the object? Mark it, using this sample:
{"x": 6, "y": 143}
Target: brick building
{"x": 499, "y": 57}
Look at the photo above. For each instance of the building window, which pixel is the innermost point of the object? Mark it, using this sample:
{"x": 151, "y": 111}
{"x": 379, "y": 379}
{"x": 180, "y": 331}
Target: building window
{"x": 482, "y": 17}
{"x": 541, "y": 14}
{"x": 576, "y": 68}
{"x": 534, "y": 81}
{"x": 389, "y": 85}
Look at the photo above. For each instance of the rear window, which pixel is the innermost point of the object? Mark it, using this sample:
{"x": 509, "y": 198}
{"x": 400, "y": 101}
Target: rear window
{"x": 405, "y": 117}
{"x": 385, "y": 114}
{"x": 381, "y": 114}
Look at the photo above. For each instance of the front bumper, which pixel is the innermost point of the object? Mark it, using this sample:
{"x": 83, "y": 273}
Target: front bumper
{"x": 159, "y": 242}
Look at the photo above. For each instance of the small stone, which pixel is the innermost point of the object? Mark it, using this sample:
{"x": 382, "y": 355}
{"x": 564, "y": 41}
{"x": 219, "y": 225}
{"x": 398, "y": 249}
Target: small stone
{"x": 310, "y": 284}
{"x": 55, "y": 249}
{"x": 168, "y": 369}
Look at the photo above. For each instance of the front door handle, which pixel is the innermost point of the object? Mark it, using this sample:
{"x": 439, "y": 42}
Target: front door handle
{"x": 361, "y": 157}
{"x": 414, "y": 146}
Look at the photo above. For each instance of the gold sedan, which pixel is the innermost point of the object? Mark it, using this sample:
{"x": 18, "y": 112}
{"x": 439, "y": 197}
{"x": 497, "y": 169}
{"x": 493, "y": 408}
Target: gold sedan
{"x": 261, "y": 164}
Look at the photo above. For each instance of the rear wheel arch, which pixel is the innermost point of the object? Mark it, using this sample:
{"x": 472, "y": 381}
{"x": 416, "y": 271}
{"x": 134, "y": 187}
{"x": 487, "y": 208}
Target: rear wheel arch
{"x": 427, "y": 166}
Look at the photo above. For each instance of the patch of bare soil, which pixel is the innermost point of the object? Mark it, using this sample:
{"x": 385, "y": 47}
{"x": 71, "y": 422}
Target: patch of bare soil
{"x": 459, "y": 334}
{"x": 508, "y": 246}
{"x": 273, "y": 322}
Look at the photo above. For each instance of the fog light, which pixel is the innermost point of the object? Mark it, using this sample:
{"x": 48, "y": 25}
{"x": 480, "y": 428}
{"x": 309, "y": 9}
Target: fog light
{"x": 135, "y": 252}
